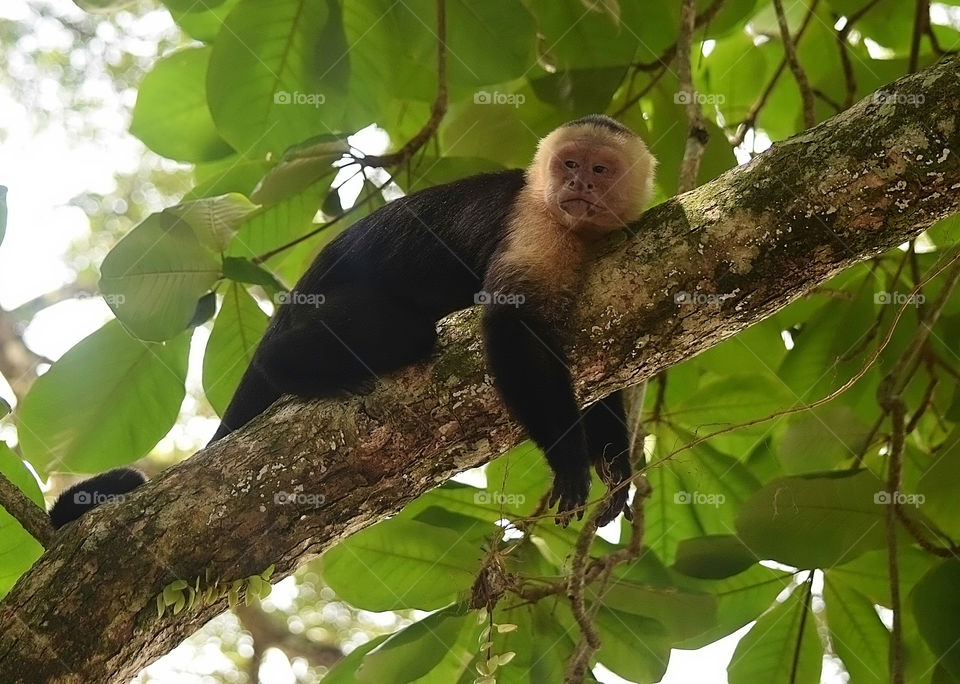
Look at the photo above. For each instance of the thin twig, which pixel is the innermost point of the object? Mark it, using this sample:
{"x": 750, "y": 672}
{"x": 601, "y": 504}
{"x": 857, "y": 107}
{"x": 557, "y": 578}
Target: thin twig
{"x": 790, "y": 49}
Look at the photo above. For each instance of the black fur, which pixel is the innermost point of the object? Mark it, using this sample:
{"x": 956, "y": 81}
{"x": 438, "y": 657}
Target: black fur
{"x": 108, "y": 487}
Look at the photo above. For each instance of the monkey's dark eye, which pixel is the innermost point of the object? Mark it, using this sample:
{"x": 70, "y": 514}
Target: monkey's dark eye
{"x": 570, "y": 164}
{"x": 599, "y": 169}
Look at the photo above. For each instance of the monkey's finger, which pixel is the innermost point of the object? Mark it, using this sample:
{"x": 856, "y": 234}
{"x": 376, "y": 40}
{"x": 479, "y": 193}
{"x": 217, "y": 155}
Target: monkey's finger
{"x": 627, "y": 512}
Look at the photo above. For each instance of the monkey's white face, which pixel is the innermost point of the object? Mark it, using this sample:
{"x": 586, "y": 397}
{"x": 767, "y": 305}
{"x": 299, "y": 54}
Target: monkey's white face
{"x": 586, "y": 188}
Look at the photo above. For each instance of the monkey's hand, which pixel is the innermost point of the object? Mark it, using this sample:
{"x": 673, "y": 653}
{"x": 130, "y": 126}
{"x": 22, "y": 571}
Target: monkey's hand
{"x": 616, "y": 475}
{"x": 570, "y": 492}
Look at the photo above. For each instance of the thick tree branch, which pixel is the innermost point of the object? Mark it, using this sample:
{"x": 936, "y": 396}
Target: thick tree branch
{"x": 756, "y": 238}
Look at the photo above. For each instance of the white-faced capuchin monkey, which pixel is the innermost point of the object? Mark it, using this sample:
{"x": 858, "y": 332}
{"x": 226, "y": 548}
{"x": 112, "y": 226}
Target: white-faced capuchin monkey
{"x": 516, "y": 241}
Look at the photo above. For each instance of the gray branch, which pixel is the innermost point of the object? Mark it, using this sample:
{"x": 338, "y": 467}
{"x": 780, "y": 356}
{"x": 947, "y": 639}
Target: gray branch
{"x": 754, "y": 239}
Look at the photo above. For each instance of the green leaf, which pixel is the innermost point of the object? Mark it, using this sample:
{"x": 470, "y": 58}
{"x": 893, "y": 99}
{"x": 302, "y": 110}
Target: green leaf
{"x": 345, "y": 671}
{"x": 740, "y": 599}
{"x": 936, "y": 607}
{"x": 415, "y": 650}
{"x": 397, "y": 46}
{"x": 939, "y": 483}
{"x": 821, "y": 439}
{"x": 5, "y": 408}
{"x": 684, "y": 613}
{"x": 245, "y": 271}
{"x": 300, "y": 167}
{"x": 634, "y": 647}
{"x": 276, "y": 225}
{"x": 154, "y": 276}
{"x": 696, "y": 492}
{"x": 236, "y": 334}
{"x": 202, "y": 21}
{"x": 171, "y": 115}
{"x": 781, "y": 648}
{"x": 215, "y": 220}
{"x": 263, "y": 59}
{"x": 400, "y": 564}
{"x": 206, "y": 307}
{"x": 713, "y": 557}
{"x": 814, "y": 521}
{"x": 859, "y": 637}
{"x": 106, "y": 402}
{"x": 18, "y": 550}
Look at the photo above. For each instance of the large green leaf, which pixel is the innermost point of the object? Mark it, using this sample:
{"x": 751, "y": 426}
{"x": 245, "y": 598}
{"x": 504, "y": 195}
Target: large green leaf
{"x": 782, "y": 647}
{"x": 821, "y": 439}
{"x": 696, "y": 492}
{"x": 106, "y": 402}
{"x": 635, "y": 647}
{"x": 400, "y": 564}
{"x": 203, "y": 21}
{"x": 936, "y": 607}
{"x": 415, "y": 650}
{"x": 236, "y": 334}
{"x": 740, "y": 599}
{"x": 396, "y": 45}
{"x": 684, "y": 613}
{"x": 264, "y": 85}
{"x": 18, "y": 550}
{"x": 154, "y": 276}
{"x": 171, "y": 115}
{"x": 214, "y": 220}
{"x": 815, "y": 521}
{"x": 939, "y": 484}
{"x": 858, "y": 635}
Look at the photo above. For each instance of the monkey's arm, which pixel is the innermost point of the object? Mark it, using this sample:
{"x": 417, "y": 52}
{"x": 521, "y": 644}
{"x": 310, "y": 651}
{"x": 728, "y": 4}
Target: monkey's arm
{"x": 605, "y": 424}
{"x": 530, "y": 372}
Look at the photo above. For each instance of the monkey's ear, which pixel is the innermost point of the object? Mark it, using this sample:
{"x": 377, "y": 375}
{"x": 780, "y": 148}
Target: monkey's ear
{"x": 109, "y": 487}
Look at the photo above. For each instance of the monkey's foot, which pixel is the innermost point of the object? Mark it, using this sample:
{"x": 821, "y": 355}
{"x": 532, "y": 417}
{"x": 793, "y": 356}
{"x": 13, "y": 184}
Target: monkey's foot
{"x": 570, "y": 495}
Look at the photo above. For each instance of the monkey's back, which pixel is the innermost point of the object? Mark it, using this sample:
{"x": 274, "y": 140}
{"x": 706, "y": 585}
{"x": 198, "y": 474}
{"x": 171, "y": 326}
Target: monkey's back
{"x": 430, "y": 248}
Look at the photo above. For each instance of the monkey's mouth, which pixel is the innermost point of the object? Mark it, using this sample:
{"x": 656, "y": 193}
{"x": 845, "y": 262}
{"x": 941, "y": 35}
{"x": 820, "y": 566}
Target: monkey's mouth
{"x": 579, "y": 206}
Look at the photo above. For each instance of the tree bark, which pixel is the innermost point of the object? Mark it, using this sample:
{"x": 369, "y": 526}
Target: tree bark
{"x": 754, "y": 239}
